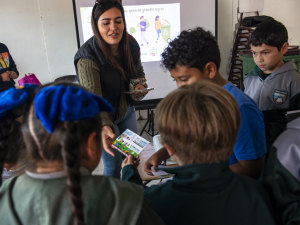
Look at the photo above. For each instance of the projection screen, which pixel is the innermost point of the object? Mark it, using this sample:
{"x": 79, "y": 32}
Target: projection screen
{"x": 175, "y": 16}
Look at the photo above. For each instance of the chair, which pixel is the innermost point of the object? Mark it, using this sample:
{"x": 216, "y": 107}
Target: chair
{"x": 67, "y": 78}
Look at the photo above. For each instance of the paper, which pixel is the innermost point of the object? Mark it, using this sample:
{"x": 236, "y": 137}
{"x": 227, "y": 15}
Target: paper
{"x": 130, "y": 143}
{"x": 160, "y": 172}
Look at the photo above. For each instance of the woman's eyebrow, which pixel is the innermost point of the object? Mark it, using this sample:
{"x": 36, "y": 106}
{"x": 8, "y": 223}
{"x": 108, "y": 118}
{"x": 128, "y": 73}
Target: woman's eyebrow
{"x": 111, "y": 19}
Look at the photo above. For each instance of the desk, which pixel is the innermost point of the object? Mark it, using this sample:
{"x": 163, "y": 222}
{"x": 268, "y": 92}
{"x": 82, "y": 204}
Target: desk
{"x": 144, "y": 156}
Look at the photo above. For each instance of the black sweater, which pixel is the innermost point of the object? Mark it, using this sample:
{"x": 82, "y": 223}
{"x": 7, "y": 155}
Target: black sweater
{"x": 6, "y": 64}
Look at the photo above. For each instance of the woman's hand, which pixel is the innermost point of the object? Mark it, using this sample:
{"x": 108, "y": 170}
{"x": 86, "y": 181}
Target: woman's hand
{"x": 131, "y": 161}
{"x": 108, "y": 137}
{"x": 139, "y": 87}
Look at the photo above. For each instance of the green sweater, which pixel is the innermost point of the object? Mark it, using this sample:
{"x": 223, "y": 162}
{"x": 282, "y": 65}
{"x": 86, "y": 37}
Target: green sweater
{"x": 206, "y": 194}
{"x": 27, "y": 200}
{"x": 89, "y": 77}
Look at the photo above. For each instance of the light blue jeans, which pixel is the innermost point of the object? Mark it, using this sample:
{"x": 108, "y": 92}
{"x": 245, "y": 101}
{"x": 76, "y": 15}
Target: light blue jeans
{"x": 112, "y": 165}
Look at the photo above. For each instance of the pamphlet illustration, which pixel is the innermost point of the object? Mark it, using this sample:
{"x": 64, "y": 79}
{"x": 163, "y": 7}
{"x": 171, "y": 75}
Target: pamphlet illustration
{"x": 130, "y": 143}
{"x": 153, "y": 26}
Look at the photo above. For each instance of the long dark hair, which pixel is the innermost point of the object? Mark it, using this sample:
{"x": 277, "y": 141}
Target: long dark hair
{"x": 124, "y": 47}
{"x": 12, "y": 148}
{"x": 5, "y": 132}
{"x": 63, "y": 145}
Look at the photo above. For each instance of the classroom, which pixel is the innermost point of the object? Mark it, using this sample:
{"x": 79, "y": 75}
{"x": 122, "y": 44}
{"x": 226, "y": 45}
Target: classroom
{"x": 150, "y": 112}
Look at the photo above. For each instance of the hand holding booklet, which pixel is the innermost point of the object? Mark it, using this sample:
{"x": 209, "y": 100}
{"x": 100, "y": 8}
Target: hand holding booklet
{"x": 130, "y": 143}
{"x": 139, "y": 91}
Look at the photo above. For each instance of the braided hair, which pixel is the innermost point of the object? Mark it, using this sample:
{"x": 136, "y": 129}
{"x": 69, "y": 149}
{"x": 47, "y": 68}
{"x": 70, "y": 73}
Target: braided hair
{"x": 64, "y": 145}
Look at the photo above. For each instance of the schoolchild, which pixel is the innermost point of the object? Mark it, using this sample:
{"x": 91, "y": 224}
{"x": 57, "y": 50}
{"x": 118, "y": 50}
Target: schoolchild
{"x": 13, "y": 154}
{"x": 281, "y": 176}
{"x": 63, "y": 138}
{"x": 194, "y": 55}
{"x": 199, "y": 124}
{"x": 273, "y": 84}
{"x": 8, "y": 69}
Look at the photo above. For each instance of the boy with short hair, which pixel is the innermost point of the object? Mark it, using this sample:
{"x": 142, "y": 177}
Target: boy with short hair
{"x": 193, "y": 56}
{"x": 199, "y": 124}
{"x": 273, "y": 84}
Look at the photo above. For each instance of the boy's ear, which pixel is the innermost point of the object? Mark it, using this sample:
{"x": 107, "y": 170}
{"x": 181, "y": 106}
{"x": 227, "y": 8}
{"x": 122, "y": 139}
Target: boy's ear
{"x": 210, "y": 69}
{"x": 170, "y": 151}
{"x": 285, "y": 48}
{"x": 91, "y": 145}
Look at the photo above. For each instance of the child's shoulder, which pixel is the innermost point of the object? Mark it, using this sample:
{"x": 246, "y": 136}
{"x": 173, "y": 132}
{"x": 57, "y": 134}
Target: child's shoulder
{"x": 241, "y": 98}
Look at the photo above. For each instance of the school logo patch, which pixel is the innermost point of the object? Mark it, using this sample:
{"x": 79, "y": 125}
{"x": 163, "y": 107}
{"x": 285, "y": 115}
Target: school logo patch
{"x": 280, "y": 97}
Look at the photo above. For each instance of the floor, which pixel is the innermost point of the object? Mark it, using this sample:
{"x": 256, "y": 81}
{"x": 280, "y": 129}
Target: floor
{"x": 141, "y": 123}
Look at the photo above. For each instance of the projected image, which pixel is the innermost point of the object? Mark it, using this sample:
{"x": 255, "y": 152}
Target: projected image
{"x": 153, "y": 26}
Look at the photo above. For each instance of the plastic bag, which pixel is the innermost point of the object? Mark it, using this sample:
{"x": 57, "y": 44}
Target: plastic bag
{"x": 30, "y": 79}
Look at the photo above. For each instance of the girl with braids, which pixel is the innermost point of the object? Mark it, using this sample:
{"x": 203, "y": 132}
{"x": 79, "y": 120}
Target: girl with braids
{"x": 109, "y": 64}
{"x": 13, "y": 159}
{"x": 63, "y": 139}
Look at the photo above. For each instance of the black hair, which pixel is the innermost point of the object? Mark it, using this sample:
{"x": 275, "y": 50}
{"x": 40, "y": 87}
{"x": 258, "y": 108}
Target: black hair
{"x": 192, "y": 49}
{"x": 124, "y": 47}
{"x": 5, "y": 132}
{"x": 12, "y": 146}
{"x": 141, "y": 17}
{"x": 63, "y": 145}
{"x": 270, "y": 32}
{"x": 16, "y": 146}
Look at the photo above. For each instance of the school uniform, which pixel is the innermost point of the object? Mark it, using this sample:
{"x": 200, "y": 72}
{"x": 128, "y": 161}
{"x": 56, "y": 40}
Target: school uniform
{"x": 206, "y": 194}
{"x": 44, "y": 199}
{"x": 281, "y": 176}
{"x": 275, "y": 94}
{"x": 6, "y": 64}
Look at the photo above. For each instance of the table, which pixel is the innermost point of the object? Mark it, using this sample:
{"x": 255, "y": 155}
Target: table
{"x": 144, "y": 156}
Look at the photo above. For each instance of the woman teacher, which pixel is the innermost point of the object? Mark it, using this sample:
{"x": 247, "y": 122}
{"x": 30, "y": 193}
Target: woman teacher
{"x": 107, "y": 65}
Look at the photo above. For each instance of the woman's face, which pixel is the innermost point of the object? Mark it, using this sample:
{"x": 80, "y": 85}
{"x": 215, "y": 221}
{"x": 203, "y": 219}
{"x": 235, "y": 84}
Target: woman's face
{"x": 111, "y": 26}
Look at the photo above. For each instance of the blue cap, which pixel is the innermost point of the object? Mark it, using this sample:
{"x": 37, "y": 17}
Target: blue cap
{"x": 13, "y": 98}
{"x": 69, "y": 103}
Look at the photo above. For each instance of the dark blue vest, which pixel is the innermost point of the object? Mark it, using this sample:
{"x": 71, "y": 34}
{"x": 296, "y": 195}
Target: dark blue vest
{"x": 111, "y": 79}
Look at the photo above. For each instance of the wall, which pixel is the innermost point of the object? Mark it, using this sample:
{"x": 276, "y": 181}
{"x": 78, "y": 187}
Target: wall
{"x": 40, "y": 36}
{"x": 42, "y": 40}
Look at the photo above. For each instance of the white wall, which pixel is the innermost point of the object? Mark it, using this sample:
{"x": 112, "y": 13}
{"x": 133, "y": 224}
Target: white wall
{"x": 41, "y": 34}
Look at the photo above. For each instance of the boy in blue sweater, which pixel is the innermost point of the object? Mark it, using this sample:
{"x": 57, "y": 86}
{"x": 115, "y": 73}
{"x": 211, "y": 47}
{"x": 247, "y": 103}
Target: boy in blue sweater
{"x": 193, "y": 56}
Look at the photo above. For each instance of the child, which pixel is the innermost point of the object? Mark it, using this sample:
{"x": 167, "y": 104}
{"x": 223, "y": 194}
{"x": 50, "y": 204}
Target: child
{"x": 198, "y": 125}
{"x": 63, "y": 138}
{"x": 8, "y": 69}
{"x": 13, "y": 159}
{"x": 273, "y": 84}
{"x": 194, "y": 55}
{"x": 282, "y": 174}
{"x": 15, "y": 162}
